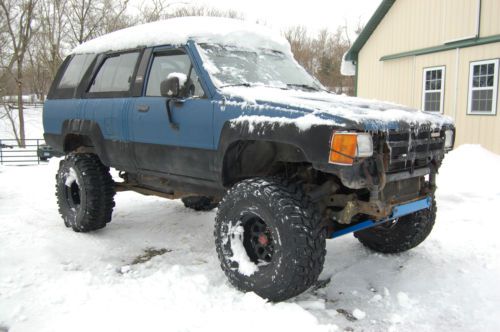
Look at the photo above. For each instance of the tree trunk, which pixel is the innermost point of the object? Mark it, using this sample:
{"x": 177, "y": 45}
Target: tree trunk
{"x": 20, "y": 105}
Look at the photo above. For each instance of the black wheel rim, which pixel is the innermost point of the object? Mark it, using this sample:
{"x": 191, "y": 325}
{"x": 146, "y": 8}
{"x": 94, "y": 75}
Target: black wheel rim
{"x": 73, "y": 195}
{"x": 257, "y": 240}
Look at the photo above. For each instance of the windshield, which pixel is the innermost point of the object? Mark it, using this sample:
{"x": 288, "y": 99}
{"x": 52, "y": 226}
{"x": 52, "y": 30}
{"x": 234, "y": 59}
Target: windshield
{"x": 230, "y": 65}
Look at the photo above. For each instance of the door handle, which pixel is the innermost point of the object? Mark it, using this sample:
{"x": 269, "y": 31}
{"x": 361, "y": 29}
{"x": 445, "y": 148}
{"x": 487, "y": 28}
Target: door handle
{"x": 142, "y": 108}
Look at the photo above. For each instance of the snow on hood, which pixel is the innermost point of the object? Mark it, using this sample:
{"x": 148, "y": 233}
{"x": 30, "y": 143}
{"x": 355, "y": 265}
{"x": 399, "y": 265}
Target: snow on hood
{"x": 177, "y": 31}
{"x": 373, "y": 115}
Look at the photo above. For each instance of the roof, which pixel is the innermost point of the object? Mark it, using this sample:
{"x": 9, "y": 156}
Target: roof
{"x": 383, "y": 8}
{"x": 177, "y": 31}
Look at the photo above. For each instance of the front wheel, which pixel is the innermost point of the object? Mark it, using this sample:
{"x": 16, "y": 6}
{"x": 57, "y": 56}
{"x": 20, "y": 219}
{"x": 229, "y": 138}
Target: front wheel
{"x": 269, "y": 239}
{"x": 85, "y": 192}
{"x": 401, "y": 234}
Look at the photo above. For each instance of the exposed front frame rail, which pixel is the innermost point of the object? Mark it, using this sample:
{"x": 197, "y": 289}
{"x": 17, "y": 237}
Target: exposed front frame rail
{"x": 397, "y": 211}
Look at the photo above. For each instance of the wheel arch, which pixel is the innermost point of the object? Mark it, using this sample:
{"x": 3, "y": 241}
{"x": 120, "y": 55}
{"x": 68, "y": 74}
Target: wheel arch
{"x": 244, "y": 158}
{"x": 84, "y": 136}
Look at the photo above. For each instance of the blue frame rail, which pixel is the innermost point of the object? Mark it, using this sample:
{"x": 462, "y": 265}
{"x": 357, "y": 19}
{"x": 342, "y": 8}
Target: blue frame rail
{"x": 397, "y": 211}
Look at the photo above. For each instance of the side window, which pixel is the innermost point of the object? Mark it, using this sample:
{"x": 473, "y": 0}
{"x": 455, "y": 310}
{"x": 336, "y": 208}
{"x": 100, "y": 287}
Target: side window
{"x": 165, "y": 64}
{"x": 75, "y": 70}
{"x": 483, "y": 87}
{"x": 433, "y": 89}
{"x": 115, "y": 74}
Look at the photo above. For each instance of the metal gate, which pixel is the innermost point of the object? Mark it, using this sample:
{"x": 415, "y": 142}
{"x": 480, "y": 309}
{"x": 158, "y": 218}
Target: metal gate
{"x": 12, "y": 154}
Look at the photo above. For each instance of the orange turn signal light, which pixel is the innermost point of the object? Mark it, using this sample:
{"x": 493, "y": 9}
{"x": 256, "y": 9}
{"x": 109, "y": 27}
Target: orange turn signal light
{"x": 343, "y": 148}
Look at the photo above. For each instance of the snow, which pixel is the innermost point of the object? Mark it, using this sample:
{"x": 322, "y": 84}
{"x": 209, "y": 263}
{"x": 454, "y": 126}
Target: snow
{"x": 370, "y": 112}
{"x": 358, "y": 314}
{"x": 302, "y": 123}
{"x": 347, "y": 68}
{"x": 52, "y": 278}
{"x": 71, "y": 178}
{"x": 177, "y": 31}
{"x": 182, "y": 78}
{"x": 32, "y": 122}
{"x": 240, "y": 256}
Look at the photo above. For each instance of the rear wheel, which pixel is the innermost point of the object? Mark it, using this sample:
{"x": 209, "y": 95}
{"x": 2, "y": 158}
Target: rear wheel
{"x": 199, "y": 203}
{"x": 401, "y": 234}
{"x": 85, "y": 192}
{"x": 269, "y": 239}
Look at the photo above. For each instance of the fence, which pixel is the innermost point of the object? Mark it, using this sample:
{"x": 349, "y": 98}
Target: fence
{"x": 13, "y": 106}
{"x": 12, "y": 154}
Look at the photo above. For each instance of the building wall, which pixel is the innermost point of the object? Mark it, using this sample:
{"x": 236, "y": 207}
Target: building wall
{"x": 411, "y": 25}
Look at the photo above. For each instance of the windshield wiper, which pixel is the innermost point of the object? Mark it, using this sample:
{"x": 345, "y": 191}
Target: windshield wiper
{"x": 237, "y": 84}
{"x": 302, "y": 86}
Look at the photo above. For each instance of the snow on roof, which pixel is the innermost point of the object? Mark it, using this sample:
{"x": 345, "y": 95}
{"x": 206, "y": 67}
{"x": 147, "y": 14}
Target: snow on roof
{"x": 178, "y": 31}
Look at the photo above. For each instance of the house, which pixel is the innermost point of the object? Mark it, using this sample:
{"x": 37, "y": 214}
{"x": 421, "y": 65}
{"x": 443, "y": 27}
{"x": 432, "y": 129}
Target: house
{"x": 435, "y": 55}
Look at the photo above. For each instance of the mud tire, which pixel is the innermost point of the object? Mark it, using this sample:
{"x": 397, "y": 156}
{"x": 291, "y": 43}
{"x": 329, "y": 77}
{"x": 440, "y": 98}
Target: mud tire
{"x": 294, "y": 225}
{"x": 85, "y": 192}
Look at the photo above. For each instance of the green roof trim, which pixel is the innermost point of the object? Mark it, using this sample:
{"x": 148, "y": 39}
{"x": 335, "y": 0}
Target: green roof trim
{"x": 445, "y": 47}
{"x": 383, "y": 8}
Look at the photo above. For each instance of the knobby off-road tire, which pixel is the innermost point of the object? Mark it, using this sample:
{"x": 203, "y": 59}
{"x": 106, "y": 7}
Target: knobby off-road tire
{"x": 404, "y": 234}
{"x": 199, "y": 203}
{"x": 85, "y": 192}
{"x": 271, "y": 222}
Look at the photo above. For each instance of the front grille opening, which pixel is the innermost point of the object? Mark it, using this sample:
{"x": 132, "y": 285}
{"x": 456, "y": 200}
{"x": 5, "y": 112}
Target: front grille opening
{"x": 413, "y": 149}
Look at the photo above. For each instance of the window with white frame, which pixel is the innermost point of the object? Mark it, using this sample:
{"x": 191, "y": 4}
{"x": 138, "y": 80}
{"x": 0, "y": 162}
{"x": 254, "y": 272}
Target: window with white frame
{"x": 433, "y": 89}
{"x": 483, "y": 83}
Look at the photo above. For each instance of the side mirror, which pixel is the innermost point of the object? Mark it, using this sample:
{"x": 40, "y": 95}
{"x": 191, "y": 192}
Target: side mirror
{"x": 170, "y": 87}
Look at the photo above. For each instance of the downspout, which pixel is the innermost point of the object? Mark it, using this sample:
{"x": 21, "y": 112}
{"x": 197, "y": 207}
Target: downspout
{"x": 478, "y": 19}
{"x": 457, "y": 77}
{"x": 356, "y": 79}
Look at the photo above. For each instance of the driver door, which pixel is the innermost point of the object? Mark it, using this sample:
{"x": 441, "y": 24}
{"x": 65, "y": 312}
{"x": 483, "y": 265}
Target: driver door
{"x": 182, "y": 145}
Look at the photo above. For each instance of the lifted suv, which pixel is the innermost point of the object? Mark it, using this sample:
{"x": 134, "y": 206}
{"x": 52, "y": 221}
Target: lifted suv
{"x": 228, "y": 117}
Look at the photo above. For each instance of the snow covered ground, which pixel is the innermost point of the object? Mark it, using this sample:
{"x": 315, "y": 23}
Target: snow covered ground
{"x": 10, "y": 153}
{"x": 32, "y": 122}
{"x": 52, "y": 279}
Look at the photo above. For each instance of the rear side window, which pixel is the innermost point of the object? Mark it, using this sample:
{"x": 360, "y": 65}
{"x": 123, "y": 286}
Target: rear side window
{"x": 115, "y": 74}
{"x": 75, "y": 70}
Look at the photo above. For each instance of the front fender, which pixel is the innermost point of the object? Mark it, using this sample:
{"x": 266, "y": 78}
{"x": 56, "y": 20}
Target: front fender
{"x": 312, "y": 145}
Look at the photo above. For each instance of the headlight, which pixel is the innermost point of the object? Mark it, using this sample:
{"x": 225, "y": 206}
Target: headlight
{"x": 345, "y": 147}
{"x": 448, "y": 139}
{"x": 365, "y": 145}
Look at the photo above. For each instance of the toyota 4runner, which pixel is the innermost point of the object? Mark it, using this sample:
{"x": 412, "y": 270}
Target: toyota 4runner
{"x": 218, "y": 113}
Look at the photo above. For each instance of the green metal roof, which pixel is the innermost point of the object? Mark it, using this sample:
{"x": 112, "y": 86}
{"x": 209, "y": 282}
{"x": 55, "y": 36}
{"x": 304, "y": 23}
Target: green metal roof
{"x": 383, "y": 8}
{"x": 475, "y": 41}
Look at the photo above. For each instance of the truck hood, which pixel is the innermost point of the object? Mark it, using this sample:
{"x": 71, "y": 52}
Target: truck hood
{"x": 306, "y": 109}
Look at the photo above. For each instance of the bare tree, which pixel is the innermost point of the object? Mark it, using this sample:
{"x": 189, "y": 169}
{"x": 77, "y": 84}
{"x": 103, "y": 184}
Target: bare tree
{"x": 204, "y": 11}
{"x": 88, "y": 19}
{"x": 19, "y": 18}
{"x": 155, "y": 10}
{"x": 45, "y": 53}
{"x": 159, "y": 10}
{"x": 115, "y": 17}
{"x": 321, "y": 55}
{"x": 53, "y": 28}
{"x": 37, "y": 73}
{"x": 300, "y": 43}
{"x": 7, "y": 112}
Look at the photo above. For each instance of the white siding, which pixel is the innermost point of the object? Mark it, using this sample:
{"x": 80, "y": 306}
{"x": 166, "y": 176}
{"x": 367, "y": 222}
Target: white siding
{"x": 411, "y": 25}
